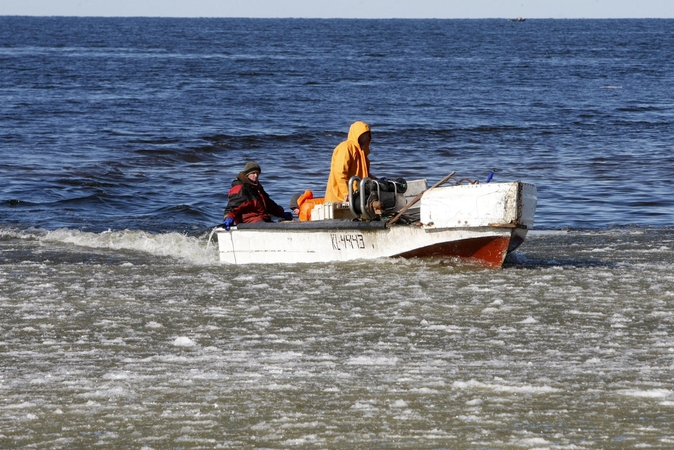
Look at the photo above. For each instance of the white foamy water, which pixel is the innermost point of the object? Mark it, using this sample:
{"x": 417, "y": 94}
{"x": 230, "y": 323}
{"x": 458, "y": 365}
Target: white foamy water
{"x": 173, "y": 245}
{"x": 109, "y": 339}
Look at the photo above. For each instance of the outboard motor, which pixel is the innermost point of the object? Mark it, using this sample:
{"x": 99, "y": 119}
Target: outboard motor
{"x": 373, "y": 199}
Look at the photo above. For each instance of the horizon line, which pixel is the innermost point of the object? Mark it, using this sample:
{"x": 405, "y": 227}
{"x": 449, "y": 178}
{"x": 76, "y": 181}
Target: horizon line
{"x": 331, "y": 18}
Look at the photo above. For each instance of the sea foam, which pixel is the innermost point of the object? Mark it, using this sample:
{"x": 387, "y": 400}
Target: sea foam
{"x": 173, "y": 245}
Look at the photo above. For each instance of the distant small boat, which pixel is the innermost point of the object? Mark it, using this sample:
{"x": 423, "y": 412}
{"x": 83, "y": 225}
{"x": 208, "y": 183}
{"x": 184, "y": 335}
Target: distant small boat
{"x": 519, "y": 19}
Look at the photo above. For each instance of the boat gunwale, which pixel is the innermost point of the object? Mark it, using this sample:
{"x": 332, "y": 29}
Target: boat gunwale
{"x": 347, "y": 225}
{"x": 327, "y": 225}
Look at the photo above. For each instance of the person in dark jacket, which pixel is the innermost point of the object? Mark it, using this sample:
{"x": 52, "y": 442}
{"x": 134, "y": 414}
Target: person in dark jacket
{"x": 248, "y": 201}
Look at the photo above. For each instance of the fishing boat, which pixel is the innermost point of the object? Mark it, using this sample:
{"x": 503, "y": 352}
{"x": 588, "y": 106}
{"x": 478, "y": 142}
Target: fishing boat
{"x": 475, "y": 222}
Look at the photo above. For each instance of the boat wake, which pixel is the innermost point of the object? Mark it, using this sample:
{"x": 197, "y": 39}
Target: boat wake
{"x": 191, "y": 249}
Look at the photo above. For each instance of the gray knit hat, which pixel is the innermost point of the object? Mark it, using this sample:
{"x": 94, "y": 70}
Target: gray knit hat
{"x": 251, "y": 167}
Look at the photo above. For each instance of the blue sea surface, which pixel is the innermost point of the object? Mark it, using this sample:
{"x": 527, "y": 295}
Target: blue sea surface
{"x": 141, "y": 123}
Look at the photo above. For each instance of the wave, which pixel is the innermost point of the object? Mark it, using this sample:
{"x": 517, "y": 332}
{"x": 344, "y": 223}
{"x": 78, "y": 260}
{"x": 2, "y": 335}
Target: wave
{"x": 191, "y": 249}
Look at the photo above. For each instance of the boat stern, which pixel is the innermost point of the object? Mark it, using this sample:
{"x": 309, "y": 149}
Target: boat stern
{"x": 480, "y": 205}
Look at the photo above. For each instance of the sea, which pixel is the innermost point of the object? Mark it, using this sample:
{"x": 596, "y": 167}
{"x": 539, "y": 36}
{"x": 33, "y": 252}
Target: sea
{"x": 120, "y": 328}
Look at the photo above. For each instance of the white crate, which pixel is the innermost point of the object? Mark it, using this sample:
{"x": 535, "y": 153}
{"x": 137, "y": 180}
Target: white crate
{"x": 331, "y": 210}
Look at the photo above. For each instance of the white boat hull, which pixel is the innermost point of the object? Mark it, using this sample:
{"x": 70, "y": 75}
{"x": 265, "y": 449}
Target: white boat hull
{"x": 481, "y": 223}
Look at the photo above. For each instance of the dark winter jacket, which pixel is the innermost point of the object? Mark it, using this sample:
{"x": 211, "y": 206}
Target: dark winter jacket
{"x": 249, "y": 202}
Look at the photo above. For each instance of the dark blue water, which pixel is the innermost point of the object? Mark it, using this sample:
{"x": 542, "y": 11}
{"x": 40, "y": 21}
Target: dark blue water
{"x": 138, "y": 123}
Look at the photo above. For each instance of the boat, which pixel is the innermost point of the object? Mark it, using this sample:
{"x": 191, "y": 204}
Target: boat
{"x": 519, "y": 19}
{"x": 479, "y": 223}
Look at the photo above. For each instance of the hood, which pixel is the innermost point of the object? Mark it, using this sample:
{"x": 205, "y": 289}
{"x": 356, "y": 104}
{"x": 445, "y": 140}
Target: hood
{"x": 358, "y": 128}
{"x": 242, "y": 178}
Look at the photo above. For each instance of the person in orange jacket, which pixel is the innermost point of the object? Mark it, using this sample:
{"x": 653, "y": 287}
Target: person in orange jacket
{"x": 302, "y": 204}
{"x": 350, "y": 158}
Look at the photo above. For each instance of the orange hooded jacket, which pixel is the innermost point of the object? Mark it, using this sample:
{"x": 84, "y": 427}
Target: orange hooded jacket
{"x": 348, "y": 160}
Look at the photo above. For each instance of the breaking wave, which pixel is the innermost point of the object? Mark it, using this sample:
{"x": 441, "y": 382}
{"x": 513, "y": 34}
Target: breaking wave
{"x": 192, "y": 249}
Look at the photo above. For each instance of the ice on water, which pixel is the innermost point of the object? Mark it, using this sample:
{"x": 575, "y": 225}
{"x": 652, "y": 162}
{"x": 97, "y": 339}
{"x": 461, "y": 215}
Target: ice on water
{"x": 432, "y": 352}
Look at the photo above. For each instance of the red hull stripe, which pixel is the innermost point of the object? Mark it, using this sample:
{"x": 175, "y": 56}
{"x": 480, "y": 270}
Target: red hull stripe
{"x": 487, "y": 251}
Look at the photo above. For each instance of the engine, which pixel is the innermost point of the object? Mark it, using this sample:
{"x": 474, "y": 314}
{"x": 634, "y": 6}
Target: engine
{"x": 374, "y": 199}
